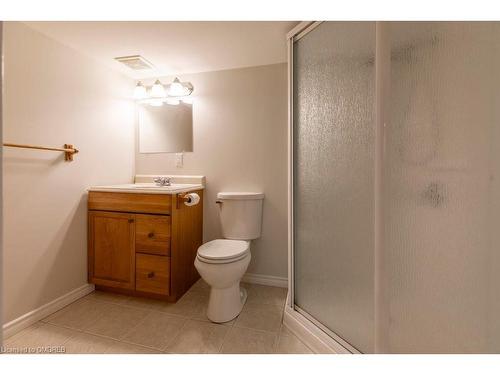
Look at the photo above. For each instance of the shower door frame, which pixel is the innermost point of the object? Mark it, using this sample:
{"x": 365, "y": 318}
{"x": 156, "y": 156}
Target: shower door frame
{"x": 319, "y": 337}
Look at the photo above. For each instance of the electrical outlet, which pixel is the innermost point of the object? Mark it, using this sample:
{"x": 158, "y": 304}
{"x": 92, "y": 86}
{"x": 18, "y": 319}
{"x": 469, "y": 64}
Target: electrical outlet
{"x": 179, "y": 160}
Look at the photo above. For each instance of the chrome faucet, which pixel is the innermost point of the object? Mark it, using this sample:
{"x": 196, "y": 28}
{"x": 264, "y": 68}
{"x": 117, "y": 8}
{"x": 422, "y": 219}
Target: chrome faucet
{"x": 162, "y": 181}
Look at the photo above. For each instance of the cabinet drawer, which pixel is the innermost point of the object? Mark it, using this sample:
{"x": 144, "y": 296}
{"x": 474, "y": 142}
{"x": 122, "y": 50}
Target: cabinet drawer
{"x": 152, "y": 234}
{"x": 130, "y": 202}
{"x": 152, "y": 274}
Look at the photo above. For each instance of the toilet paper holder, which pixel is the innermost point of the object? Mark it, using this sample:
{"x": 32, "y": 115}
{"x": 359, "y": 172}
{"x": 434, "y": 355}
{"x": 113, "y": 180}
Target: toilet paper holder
{"x": 183, "y": 198}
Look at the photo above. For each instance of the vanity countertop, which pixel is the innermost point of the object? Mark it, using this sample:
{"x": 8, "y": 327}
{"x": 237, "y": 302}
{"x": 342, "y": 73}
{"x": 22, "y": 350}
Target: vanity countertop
{"x": 148, "y": 188}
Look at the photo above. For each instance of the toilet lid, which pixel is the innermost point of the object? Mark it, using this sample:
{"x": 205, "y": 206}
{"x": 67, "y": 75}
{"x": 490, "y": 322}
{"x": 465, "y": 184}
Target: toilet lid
{"x": 223, "y": 249}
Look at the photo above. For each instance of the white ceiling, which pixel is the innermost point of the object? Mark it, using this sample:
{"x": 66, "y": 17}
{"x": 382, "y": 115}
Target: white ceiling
{"x": 175, "y": 47}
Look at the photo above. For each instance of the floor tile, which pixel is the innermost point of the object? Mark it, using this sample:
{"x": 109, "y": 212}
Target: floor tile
{"x": 39, "y": 338}
{"x": 204, "y": 318}
{"x": 248, "y": 341}
{"x": 199, "y": 337}
{"x": 289, "y": 344}
{"x": 200, "y": 286}
{"x": 79, "y": 315}
{"x": 156, "y": 331}
{"x": 107, "y": 297}
{"x": 23, "y": 332}
{"x": 84, "y": 343}
{"x": 118, "y": 347}
{"x": 285, "y": 331}
{"x": 262, "y": 317}
{"x": 191, "y": 305}
{"x": 269, "y": 295}
{"x": 145, "y": 303}
{"x": 117, "y": 321}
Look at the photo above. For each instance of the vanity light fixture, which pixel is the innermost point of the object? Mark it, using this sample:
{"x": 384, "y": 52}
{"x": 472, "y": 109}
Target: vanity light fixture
{"x": 158, "y": 94}
{"x": 140, "y": 91}
{"x": 178, "y": 88}
{"x": 158, "y": 91}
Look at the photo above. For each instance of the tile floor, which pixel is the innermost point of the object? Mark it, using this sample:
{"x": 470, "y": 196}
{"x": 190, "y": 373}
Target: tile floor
{"x": 111, "y": 323}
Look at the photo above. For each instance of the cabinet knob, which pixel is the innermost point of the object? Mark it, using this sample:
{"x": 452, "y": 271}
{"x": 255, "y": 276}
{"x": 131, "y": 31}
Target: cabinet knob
{"x": 151, "y": 275}
{"x": 130, "y": 220}
{"x": 151, "y": 234}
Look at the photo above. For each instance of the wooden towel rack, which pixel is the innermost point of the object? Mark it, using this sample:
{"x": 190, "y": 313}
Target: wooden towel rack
{"x": 68, "y": 150}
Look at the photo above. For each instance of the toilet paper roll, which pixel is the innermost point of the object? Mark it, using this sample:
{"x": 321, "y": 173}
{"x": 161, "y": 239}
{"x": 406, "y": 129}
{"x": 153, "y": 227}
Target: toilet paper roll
{"x": 192, "y": 199}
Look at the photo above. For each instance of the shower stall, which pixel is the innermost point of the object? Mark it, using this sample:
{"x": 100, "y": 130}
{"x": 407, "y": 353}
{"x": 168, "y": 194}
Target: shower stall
{"x": 394, "y": 186}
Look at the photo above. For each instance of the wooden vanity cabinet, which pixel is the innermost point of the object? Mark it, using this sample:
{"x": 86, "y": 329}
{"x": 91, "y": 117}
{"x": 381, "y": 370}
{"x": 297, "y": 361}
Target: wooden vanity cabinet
{"x": 143, "y": 244}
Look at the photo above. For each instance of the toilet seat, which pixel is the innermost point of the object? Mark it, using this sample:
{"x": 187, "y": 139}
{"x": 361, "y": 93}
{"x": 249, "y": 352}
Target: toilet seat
{"x": 223, "y": 251}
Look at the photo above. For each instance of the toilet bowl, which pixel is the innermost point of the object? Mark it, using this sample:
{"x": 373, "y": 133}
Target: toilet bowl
{"x": 223, "y": 273}
{"x": 223, "y": 262}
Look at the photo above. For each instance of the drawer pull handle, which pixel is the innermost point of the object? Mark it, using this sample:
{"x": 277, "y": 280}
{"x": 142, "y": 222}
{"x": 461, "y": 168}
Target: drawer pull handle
{"x": 151, "y": 235}
{"x": 151, "y": 275}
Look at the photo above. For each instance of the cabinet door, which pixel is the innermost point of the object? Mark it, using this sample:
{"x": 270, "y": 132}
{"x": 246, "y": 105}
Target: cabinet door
{"x": 111, "y": 249}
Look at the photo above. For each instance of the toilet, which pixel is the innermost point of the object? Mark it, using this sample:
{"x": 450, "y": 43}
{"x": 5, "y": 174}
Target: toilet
{"x": 223, "y": 262}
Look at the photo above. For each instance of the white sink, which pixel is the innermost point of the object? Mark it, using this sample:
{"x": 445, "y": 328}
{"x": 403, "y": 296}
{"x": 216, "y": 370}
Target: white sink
{"x": 154, "y": 186}
{"x": 148, "y": 188}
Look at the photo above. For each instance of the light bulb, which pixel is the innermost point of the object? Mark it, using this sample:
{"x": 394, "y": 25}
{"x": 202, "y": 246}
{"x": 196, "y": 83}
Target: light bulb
{"x": 172, "y": 101}
{"x": 158, "y": 91}
{"x": 140, "y": 91}
{"x": 177, "y": 89}
{"x": 156, "y": 102}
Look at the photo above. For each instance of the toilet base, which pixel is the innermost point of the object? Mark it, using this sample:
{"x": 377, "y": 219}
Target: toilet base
{"x": 226, "y": 304}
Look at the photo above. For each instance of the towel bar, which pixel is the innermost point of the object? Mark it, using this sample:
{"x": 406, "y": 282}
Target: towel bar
{"x": 68, "y": 150}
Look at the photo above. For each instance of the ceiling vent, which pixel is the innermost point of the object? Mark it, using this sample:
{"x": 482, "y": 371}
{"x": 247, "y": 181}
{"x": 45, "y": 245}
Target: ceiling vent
{"x": 135, "y": 62}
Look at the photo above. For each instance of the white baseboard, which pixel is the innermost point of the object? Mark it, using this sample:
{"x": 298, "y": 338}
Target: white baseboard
{"x": 317, "y": 340}
{"x": 24, "y": 321}
{"x": 255, "y": 278}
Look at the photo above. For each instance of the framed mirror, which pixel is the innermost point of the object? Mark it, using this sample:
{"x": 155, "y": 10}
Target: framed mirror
{"x": 165, "y": 128}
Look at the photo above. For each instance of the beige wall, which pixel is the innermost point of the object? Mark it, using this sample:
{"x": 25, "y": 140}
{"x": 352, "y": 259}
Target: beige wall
{"x": 240, "y": 142}
{"x": 54, "y": 95}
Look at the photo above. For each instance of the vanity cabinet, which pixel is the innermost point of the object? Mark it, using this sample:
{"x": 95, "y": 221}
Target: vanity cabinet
{"x": 143, "y": 244}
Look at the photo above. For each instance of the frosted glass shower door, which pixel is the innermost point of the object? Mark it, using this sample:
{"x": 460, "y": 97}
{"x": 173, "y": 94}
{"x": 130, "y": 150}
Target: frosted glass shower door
{"x": 442, "y": 198}
{"x": 333, "y": 194}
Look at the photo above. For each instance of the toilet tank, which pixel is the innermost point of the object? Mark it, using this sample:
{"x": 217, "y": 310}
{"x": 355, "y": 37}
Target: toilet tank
{"x": 240, "y": 215}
